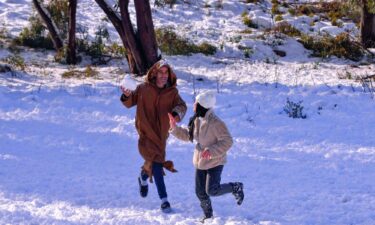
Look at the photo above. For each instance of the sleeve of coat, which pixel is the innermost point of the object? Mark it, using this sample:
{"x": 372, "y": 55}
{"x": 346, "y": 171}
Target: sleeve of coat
{"x": 130, "y": 101}
{"x": 180, "y": 133}
{"x": 179, "y": 106}
{"x": 224, "y": 140}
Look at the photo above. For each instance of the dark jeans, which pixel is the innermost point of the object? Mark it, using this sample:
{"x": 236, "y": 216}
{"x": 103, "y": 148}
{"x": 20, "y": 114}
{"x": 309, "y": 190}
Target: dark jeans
{"x": 157, "y": 172}
{"x": 207, "y": 183}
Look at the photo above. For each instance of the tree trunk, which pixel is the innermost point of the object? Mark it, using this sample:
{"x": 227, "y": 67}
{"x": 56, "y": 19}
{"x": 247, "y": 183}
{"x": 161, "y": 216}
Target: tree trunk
{"x": 71, "y": 51}
{"x": 117, "y": 23}
{"x": 367, "y": 26}
{"x": 146, "y": 31}
{"x": 141, "y": 47}
{"x": 131, "y": 38}
{"x": 53, "y": 31}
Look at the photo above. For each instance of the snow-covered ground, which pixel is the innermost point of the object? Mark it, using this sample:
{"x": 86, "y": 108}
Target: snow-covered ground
{"x": 68, "y": 148}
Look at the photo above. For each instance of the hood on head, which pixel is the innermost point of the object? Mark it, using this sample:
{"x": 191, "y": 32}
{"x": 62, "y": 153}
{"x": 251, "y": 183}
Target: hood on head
{"x": 152, "y": 72}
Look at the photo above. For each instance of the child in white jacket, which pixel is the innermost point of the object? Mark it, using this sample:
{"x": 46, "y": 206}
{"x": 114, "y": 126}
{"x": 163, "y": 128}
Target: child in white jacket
{"x": 213, "y": 140}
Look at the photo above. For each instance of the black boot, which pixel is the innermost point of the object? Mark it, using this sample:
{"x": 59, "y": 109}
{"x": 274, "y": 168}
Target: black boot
{"x": 166, "y": 207}
{"x": 205, "y": 218}
{"x": 143, "y": 189}
{"x": 238, "y": 192}
{"x": 207, "y": 210}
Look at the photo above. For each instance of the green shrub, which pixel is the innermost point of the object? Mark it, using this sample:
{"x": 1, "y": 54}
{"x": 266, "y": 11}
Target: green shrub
{"x": 308, "y": 10}
{"x": 96, "y": 49}
{"x": 59, "y": 11}
{"x": 246, "y": 31}
{"x": 340, "y": 46}
{"x": 235, "y": 39}
{"x": 3, "y": 33}
{"x": 279, "y": 18}
{"x": 249, "y": 22}
{"x": 333, "y": 10}
{"x": 275, "y": 9}
{"x": 17, "y": 61}
{"x": 90, "y": 72}
{"x": 35, "y": 35}
{"x": 117, "y": 50}
{"x": 244, "y": 14}
{"x": 351, "y": 12}
{"x": 247, "y": 51}
{"x": 162, "y": 3}
{"x": 172, "y": 44}
{"x": 82, "y": 45}
{"x": 245, "y": 18}
{"x": 206, "y": 49}
{"x": 337, "y": 23}
{"x": 28, "y": 38}
{"x": 87, "y": 73}
{"x": 334, "y": 16}
{"x": 285, "y": 4}
{"x": 60, "y": 56}
{"x": 287, "y": 29}
{"x": 292, "y": 11}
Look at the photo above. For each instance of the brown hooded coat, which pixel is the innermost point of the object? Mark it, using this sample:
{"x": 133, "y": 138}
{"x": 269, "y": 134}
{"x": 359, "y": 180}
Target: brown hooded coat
{"x": 151, "y": 121}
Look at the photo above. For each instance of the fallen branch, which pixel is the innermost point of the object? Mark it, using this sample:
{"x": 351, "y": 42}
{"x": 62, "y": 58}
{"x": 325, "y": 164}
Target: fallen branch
{"x": 368, "y": 77}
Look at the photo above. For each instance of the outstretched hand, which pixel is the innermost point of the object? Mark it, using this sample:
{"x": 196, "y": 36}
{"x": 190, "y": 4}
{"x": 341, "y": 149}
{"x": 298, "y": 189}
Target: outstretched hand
{"x": 172, "y": 121}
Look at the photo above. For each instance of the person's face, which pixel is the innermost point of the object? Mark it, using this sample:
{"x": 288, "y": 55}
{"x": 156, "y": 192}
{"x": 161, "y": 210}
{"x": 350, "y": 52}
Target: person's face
{"x": 162, "y": 77}
{"x": 195, "y": 107}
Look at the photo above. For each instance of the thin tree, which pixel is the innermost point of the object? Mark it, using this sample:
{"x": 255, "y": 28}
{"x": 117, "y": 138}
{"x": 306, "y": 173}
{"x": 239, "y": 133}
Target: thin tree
{"x": 71, "y": 57}
{"x": 53, "y": 31}
{"x": 134, "y": 47}
{"x": 117, "y": 23}
{"x": 146, "y": 31}
{"x": 368, "y": 23}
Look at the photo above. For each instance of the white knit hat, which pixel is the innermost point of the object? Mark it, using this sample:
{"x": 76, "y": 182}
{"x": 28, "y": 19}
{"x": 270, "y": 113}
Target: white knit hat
{"x": 207, "y": 99}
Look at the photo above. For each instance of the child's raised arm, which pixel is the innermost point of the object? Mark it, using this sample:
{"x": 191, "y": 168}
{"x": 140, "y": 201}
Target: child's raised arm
{"x": 179, "y": 132}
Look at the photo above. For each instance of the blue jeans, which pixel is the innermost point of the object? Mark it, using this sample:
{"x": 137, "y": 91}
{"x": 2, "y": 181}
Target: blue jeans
{"x": 157, "y": 172}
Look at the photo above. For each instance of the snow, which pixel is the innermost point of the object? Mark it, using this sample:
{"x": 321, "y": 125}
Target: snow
{"x": 68, "y": 147}
{"x": 128, "y": 83}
